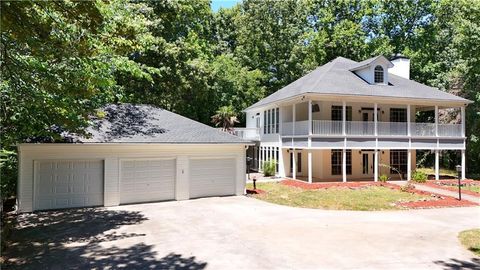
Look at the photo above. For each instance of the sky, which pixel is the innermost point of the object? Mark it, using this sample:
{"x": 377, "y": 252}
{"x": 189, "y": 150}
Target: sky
{"x": 217, "y": 4}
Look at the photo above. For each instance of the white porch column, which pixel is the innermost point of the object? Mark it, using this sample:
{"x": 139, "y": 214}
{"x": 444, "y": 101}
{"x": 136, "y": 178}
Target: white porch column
{"x": 409, "y": 165}
{"x": 375, "y": 164}
{"x": 310, "y": 176}
{"x": 260, "y": 158}
{"x": 344, "y": 165}
{"x": 294, "y": 164}
{"x": 463, "y": 165}
{"x": 310, "y": 117}
{"x": 409, "y": 131}
{"x": 294, "y": 112}
{"x": 462, "y": 109}
{"x": 375, "y": 118}
{"x": 436, "y": 120}
{"x": 344, "y": 118}
{"x": 437, "y": 165}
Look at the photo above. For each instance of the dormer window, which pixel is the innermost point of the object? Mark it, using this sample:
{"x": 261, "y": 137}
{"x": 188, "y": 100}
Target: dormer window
{"x": 378, "y": 75}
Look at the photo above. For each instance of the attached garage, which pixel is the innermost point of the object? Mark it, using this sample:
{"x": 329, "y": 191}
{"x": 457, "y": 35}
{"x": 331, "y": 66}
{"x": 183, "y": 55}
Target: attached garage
{"x": 135, "y": 154}
{"x": 212, "y": 177}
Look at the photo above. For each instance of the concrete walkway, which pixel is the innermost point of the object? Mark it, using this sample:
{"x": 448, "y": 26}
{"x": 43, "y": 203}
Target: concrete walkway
{"x": 439, "y": 191}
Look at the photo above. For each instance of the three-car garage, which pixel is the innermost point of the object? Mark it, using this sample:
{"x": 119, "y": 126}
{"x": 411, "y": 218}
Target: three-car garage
{"x": 136, "y": 154}
{"x": 84, "y": 178}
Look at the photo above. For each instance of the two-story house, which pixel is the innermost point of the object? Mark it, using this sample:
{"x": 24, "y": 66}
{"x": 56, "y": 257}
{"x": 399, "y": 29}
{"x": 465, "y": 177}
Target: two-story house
{"x": 352, "y": 120}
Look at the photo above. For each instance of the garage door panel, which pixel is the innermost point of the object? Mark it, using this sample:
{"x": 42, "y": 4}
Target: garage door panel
{"x": 212, "y": 177}
{"x": 67, "y": 184}
{"x": 147, "y": 180}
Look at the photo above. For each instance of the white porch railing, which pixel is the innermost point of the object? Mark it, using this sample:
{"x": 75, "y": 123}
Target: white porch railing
{"x": 392, "y": 129}
{"x": 423, "y": 129}
{"x": 247, "y": 133}
{"x": 362, "y": 128}
{"x": 301, "y": 128}
{"x": 449, "y": 130}
{"x": 327, "y": 127}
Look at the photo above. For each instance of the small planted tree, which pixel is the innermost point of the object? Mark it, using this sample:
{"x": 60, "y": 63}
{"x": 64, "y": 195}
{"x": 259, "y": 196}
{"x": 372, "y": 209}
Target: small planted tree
{"x": 269, "y": 167}
{"x": 225, "y": 117}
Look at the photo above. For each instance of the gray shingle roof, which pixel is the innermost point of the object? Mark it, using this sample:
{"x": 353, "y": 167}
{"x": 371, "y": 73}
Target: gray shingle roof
{"x": 127, "y": 123}
{"x": 335, "y": 78}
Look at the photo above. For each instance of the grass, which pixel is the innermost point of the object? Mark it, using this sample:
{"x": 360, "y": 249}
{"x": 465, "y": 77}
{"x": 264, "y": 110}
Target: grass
{"x": 363, "y": 199}
{"x": 431, "y": 171}
{"x": 471, "y": 240}
{"x": 472, "y": 188}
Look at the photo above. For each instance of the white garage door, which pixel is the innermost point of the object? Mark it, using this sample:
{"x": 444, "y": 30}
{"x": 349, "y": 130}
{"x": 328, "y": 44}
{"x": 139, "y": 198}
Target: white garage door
{"x": 67, "y": 184}
{"x": 212, "y": 177}
{"x": 147, "y": 180}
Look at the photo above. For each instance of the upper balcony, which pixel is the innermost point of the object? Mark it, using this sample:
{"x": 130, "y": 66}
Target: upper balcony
{"x": 365, "y": 128}
{"x": 355, "y": 119}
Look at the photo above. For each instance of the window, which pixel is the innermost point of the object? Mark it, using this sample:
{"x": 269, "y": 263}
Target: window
{"x": 276, "y": 159}
{"x": 264, "y": 122}
{"x": 398, "y": 161}
{"x": 336, "y": 160}
{"x": 337, "y": 113}
{"x": 378, "y": 75}
{"x": 271, "y": 121}
{"x": 398, "y": 115}
{"x": 268, "y": 122}
{"x": 299, "y": 162}
{"x": 277, "y": 119}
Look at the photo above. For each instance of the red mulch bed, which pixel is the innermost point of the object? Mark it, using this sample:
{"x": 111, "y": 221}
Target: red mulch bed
{"x": 442, "y": 201}
{"x": 255, "y": 191}
{"x": 436, "y": 201}
{"x": 452, "y": 185}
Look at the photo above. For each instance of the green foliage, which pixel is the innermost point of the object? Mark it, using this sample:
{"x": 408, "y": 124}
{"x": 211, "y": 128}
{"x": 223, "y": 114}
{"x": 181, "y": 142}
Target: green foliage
{"x": 419, "y": 176}
{"x": 8, "y": 174}
{"x": 60, "y": 62}
{"x": 383, "y": 178}
{"x": 269, "y": 167}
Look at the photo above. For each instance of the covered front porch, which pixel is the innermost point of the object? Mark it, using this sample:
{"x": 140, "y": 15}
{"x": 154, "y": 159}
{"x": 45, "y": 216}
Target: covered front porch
{"x": 338, "y": 165}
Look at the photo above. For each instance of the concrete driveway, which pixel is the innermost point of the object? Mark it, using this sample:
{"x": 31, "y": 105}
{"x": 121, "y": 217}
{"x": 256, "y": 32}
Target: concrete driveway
{"x": 241, "y": 233}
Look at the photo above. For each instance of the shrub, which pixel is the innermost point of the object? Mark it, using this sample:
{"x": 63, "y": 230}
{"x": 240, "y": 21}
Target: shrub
{"x": 419, "y": 176}
{"x": 383, "y": 178}
{"x": 269, "y": 167}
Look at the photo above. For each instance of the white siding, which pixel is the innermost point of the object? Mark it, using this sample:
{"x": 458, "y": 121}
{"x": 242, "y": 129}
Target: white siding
{"x": 111, "y": 154}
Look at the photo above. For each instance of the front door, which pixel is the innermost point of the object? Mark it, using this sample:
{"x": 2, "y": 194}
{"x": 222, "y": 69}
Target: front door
{"x": 367, "y": 163}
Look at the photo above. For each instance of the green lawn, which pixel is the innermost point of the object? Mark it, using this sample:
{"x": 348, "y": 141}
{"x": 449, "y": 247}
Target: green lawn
{"x": 472, "y": 188}
{"x": 365, "y": 199}
{"x": 471, "y": 240}
{"x": 431, "y": 171}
